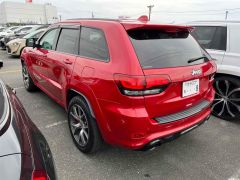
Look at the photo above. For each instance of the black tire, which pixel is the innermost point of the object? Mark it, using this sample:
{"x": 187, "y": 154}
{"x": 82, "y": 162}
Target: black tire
{"x": 27, "y": 80}
{"x": 226, "y": 104}
{"x": 94, "y": 141}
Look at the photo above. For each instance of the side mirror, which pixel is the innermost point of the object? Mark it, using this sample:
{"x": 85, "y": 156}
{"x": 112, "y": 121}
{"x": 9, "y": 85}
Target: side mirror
{"x": 1, "y": 64}
{"x": 31, "y": 42}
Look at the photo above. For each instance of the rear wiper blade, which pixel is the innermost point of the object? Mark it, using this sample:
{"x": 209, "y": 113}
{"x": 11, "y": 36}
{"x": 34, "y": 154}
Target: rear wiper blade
{"x": 196, "y": 59}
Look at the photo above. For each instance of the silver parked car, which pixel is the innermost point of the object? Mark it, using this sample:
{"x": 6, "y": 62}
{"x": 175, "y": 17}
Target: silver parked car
{"x": 222, "y": 41}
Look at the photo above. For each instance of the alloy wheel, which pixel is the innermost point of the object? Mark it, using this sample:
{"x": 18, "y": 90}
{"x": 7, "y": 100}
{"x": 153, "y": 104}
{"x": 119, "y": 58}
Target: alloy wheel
{"x": 25, "y": 76}
{"x": 79, "y": 125}
{"x": 226, "y": 104}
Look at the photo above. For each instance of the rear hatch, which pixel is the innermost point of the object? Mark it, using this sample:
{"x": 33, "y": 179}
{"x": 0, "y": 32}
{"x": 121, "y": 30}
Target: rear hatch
{"x": 173, "y": 55}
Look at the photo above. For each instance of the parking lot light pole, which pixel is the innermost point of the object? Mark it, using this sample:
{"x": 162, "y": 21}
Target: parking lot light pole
{"x": 226, "y": 15}
{"x": 150, "y": 11}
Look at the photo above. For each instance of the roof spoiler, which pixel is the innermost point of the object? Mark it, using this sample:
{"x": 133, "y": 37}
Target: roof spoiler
{"x": 143, "y": 18}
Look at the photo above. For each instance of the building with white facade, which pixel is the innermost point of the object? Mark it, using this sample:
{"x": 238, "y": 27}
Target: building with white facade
{"x": 15, "y": 12}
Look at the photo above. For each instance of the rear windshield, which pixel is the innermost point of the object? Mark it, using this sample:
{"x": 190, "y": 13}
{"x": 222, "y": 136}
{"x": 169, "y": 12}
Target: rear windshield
{"x": 161, "y": 49}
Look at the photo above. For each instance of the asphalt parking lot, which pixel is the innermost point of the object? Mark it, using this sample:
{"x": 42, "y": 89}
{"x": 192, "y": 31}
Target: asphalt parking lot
{"x": 212, "y": 151}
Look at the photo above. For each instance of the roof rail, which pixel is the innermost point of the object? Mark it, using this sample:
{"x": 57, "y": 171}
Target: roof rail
{"x": 104, "y": 19}
{"x": 143, "y": 18}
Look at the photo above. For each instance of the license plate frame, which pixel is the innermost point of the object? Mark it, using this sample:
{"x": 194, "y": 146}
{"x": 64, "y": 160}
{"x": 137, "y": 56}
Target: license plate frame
{"x": 190, "y": 88}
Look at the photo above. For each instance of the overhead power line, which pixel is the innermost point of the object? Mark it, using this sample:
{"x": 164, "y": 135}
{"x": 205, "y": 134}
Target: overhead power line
{"x": 202, "y": 11}
{"x": 194, "y": 14}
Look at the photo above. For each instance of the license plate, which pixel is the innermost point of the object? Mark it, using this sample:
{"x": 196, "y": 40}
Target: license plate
{"x": 190, "y": 87}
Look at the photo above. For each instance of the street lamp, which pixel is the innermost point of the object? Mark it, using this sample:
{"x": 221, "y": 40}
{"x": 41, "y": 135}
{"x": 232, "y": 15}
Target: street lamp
{"x": 150, "y": 11}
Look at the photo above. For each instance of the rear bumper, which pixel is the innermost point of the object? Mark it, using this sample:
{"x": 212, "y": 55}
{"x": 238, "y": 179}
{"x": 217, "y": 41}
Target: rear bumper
{"x": 171, "y": 137}
{"x": 143, "y": 139}
{"x": 132, "y": 128}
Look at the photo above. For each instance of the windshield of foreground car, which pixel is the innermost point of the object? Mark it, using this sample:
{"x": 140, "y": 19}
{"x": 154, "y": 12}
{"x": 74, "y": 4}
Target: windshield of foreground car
{"x": 157, "y": 48}
{"x": 34, "y": 34}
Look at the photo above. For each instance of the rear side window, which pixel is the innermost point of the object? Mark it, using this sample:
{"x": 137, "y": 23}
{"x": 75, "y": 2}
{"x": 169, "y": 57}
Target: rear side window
{"x": 211, "y": 37}
{"x": 68, "y": 41}
{"x": 161, "y": 49}
{"x": 234, "y": 38}
{"x": 93, "y": 44}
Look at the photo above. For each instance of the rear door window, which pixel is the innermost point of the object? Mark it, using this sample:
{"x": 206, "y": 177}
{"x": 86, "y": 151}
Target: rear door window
{"x": 211, "y": 37}
{"x": 161, "y": 49}
{"x": 93, "y": 44}
{"x": 68, "y": 41}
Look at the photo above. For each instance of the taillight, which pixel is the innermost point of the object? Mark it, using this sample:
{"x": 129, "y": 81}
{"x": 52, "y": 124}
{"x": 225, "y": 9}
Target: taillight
{"x": 39, "y": 175}
{"x": 141, "y": 85}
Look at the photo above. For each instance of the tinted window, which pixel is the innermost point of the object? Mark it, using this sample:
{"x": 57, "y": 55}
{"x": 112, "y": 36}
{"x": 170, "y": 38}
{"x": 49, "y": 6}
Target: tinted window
{"x": 234, "y": 38}
{"x": 68, "y": 41}
{"x": 211, "y": 37}
{"x": 161, "y": 49}
{"x": 93, "y": 44}
{"x": 48, "y": 39}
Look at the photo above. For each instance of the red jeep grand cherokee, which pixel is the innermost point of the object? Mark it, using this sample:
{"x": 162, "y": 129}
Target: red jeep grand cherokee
{"x": 129, "y": 83}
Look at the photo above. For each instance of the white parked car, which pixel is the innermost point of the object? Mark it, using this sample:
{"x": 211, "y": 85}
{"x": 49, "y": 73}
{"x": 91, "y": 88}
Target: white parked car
{"x": 15, "y": 47}
{"x": 222, "y": 41}
{"x": 8, "y": 31}
{"x": 2, "y": 29}
{"x": 20, "y": 31}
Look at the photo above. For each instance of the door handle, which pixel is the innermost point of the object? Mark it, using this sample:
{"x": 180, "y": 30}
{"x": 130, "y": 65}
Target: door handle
{"x": 67, "y": 61}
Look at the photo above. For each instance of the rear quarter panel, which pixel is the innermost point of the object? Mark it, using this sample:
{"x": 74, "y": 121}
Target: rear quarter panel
{"x": 95, "y": 79}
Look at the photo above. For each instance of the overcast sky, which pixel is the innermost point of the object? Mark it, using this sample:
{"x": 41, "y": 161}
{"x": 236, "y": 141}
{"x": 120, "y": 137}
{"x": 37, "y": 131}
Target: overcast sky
{"x": 164, "y": 11}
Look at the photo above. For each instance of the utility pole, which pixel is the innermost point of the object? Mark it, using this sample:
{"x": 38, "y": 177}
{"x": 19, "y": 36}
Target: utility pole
{"x": 226, "y": 15}
{"x": 92, "y": 15}
{"x": 150, "y": 11}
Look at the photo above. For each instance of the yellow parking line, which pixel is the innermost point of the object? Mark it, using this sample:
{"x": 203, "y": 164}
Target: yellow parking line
{"x": 13, "y": 71}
